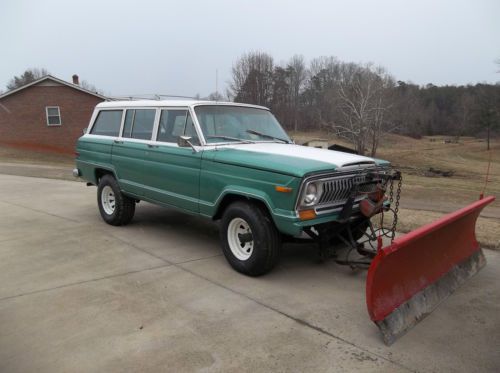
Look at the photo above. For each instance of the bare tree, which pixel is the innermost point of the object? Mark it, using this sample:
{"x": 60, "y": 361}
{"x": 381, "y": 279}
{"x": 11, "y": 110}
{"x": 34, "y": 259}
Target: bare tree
{"x": 297, "y": 73}
{"x": 464, "y": 107}
{"x": 360, "y": 102}
{"x": 280, "y": 101}
{"x": 89, "y": 87}
{"x": 28, "y": 76}
{"x": 320, "y": 92}
{"x": 408, "y": 111}
{"x": 253, "y": 78}
{"x": 216, "y": 96}
{"x": 489, "y": 110}
{"x": 363, "y": 102}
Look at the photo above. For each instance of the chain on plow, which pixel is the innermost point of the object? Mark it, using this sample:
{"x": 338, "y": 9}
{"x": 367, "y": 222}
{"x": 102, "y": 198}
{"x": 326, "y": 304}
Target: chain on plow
{"x": 382, "y": 193}
{"x": 393, "y": 201}
{"x": 374, "y": 235}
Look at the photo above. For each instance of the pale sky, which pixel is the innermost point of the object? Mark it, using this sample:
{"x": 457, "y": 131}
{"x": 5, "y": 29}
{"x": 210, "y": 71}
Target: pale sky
{"x": 174, "y": 47}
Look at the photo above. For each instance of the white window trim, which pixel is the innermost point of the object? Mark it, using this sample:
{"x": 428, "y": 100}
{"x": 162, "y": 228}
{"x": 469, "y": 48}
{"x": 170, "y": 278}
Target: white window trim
{"x": 93, "y": 121}
{"x": 47, "y": 115}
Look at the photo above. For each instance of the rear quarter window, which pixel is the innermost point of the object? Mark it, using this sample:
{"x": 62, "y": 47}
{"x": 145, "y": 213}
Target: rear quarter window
{"x": 107, "y": 123}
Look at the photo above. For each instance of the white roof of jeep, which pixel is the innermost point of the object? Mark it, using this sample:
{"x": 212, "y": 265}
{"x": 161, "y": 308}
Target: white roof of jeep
{"x": 168, "y": 103}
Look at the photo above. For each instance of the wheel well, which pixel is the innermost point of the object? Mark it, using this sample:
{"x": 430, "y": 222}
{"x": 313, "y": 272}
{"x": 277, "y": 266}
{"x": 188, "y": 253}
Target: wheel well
{"x": 100, "y": 172}
{"x": 230, "y": 198}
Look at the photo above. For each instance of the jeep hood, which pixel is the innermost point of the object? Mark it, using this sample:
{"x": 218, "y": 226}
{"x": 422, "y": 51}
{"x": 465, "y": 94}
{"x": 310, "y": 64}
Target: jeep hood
{"x": 290, "y": 159}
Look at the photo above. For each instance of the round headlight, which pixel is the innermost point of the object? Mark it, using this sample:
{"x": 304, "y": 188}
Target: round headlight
{"x": 311, "y": 193}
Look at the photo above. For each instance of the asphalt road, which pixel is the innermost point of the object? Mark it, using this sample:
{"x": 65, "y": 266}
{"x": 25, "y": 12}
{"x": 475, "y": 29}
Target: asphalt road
{"x": 77, "y": 295}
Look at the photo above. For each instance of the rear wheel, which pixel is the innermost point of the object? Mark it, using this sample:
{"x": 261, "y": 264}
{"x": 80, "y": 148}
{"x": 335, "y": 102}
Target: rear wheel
{"x": 115, "y": 207}
{"x": 250, "y": 241}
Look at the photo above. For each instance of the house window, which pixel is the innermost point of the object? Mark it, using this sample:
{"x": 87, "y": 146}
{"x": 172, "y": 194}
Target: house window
{"x": 53, "y": 116}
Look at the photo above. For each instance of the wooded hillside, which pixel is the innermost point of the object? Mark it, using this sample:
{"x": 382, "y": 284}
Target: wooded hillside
{"x": 361, "y": 101}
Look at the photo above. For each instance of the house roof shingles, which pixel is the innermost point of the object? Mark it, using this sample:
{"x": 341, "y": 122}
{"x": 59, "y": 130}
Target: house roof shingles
{"x": 57, "y": 80}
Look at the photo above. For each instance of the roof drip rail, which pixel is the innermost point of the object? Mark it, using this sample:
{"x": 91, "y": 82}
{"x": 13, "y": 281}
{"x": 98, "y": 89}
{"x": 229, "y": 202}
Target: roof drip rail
{"x": 177, "y": 96}
{"x": 147, "y": 96}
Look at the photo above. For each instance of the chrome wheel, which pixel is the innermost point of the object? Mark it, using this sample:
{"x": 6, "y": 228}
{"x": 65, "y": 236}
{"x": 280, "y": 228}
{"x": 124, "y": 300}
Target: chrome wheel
{"x": 108, "y": 200}
{"x": 240, "y": 238}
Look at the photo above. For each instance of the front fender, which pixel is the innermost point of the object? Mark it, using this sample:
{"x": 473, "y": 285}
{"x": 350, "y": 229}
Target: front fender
{"x": 283, "y": 219}
{"x": 245, "y": 192}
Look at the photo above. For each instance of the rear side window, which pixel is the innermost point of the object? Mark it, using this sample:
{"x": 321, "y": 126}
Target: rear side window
{"x": 139, "y": 124}
{"x": 107, "y": 123}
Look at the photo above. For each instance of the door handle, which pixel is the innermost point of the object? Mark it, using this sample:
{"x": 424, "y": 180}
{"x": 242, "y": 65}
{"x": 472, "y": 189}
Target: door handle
{"x": 118, "y": 142}
{"x": 152, "y": 146}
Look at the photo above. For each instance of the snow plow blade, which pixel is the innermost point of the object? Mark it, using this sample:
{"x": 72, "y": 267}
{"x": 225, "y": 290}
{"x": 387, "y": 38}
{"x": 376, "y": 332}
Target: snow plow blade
{"x": 409, "y": 278}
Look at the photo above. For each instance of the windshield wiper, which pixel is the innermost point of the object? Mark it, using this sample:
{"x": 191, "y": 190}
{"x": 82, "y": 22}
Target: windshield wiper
{"x": 230, "y": 138}
{"x": 253, "y": 132}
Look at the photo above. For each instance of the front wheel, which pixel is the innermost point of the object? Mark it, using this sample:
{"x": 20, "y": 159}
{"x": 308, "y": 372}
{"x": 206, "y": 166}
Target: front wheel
{"x": 250, "y": 241}
{"x": 115, "y": 207}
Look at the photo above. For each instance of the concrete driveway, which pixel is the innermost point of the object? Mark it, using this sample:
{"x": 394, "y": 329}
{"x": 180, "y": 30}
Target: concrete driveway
{"x": 77, "y": 295}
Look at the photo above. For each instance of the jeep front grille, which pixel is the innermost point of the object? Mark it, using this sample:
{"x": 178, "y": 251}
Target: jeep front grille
{"x": 337, "y": 190}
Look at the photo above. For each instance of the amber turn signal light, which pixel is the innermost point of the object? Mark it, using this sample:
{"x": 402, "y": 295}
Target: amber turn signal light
{"x": 283, "y": 189}
{"x": 307, "y": 214}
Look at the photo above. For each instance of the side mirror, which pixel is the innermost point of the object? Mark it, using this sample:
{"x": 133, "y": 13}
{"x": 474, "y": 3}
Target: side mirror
{"x": 84, "y": 130}
{"x": 185, "y": 141}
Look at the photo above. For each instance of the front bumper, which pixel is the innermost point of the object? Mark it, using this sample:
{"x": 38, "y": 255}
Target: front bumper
{"x": 293, "y": 226}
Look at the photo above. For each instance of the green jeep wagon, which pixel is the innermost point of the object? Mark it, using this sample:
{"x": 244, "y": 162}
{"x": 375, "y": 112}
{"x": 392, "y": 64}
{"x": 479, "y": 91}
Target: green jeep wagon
{"x": 229, "y": 162}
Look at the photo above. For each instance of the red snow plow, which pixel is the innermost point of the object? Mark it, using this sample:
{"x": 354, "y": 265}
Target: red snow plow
{"x": 409, "y": 278}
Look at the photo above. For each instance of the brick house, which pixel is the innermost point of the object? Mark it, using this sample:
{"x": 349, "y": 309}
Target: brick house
{"x": 47, "y": 114}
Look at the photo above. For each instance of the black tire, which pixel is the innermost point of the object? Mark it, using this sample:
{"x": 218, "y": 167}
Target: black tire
{"x": 124, "y": 207}
{"x": 266, "y": 240}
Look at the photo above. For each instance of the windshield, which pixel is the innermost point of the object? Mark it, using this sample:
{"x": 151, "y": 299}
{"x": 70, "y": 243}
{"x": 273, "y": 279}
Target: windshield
{"x": 224, "y": 123}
